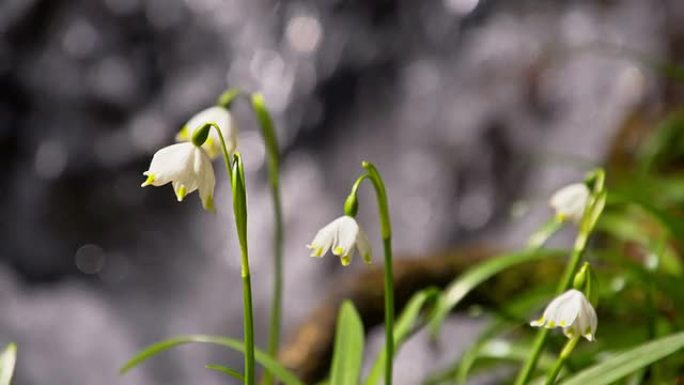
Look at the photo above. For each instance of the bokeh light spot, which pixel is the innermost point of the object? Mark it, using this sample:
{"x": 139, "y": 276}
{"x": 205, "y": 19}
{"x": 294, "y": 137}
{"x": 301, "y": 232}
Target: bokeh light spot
{"x": 304, "y": 33}
{"x": 90, "y": 259}
{"x": 50, "y": 159}
{"x": 461, "y": 7}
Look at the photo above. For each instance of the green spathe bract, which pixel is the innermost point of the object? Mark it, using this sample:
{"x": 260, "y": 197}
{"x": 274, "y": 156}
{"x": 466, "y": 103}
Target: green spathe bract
{"x": 200, "y": 134}
{"x": 240, "y": 212}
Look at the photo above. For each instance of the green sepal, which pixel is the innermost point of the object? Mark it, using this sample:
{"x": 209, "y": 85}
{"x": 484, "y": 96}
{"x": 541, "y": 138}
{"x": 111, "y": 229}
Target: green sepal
{"x": 351, "y": 205}
{"x": 200, "y": 135}
{"x": 586, "y": 281}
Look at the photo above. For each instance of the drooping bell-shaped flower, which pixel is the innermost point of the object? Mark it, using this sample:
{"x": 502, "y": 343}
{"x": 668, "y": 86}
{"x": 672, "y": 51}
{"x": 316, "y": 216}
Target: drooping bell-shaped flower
{"x": 572, "y": 312}
{"x": 223, "y": 119}
{"x": 341, "y": 235}
{"x": 570, "y": 201}
{"x": 187, "y": 167}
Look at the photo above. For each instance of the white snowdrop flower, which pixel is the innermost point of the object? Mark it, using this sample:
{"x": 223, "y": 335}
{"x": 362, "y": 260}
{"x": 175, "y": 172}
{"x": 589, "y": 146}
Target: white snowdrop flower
{"x": 570, "y": 201}
{"x": 341, "y": 235}
{"x": 223, "y": 119}
{"x": 572, "y": 312}
{"x": 187, "y": 167}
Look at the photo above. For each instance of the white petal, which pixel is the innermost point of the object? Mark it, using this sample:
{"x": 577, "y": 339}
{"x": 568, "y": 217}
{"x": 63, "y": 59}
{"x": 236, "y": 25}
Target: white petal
{"x": 223, "y": 119}
{"x": 572, "y": 312}
{"x": 323, "y": 240}
{"x": 206, "y": 179}
{"x": 345, "y": 236}
{"x": 364, "y": 246}
{"x": 171, "y": 163}
{"x": 187, "y": 167}
{"x": 340, "y": 235}
{"x": 562, "y": 311}
{"x": 570, "y": 201}
{"x": 587, "y": 321}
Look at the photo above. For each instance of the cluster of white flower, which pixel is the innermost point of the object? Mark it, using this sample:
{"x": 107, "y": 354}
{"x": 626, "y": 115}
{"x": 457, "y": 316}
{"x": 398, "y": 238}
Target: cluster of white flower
{"x": 571, "y": 310}
{"x": 187, "y": 166}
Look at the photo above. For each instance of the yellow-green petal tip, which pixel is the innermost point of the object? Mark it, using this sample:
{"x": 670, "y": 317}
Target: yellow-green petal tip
{"x": 181, "y": 192}
{"x": 150, "y": 179}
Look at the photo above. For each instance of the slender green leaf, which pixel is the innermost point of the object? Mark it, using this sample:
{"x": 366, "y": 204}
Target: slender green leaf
{"x": 226, "y": 370}
{"x": 8, "y": 359}
{"x": 670, "y": 286}
{"x": 348, "y": 351}
{"x": 666, "y": 142}
{"x": 674, "y": 224}
{"x": 539, "y": 238}
{"x": 408, "y": 322}
{"x": 471, "y": 355}
{"x": 628, "y": 362}
{"x": 625, "y": 227}
{"x": 484, "y": 355}
{"x": 464, "y": 284}
{"x": 507, "y": 316}
{"x": 264, "y": 359}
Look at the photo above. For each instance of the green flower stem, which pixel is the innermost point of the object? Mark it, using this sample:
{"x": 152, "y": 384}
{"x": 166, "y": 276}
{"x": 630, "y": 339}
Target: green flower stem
{"x": 591, "y": 214}
{"x": 272, "y": 151}
{"x": 543, "y": 333}
{"x": 240, "y": 211}
{"x": 236, "y": 175}
{"x": 386, "y": 231}
{"x": 389, "y": 309}
{"x": 273, "y": 160}
{"x": 565, "y": 353}
{"x": 226, "y": 155}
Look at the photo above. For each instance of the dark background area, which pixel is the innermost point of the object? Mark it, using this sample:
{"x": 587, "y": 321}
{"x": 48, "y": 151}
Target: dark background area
{"x": 473, "y": 110}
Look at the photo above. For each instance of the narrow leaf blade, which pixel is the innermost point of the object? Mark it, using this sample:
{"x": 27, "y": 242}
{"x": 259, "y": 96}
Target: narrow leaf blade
{"x": 262, "y": 358}
{"x": 8, "y": 359}
{"x": 469, "y": 280}
{"x": 407, "y": 322}
{"x": 628, "y": 362}
{"x": 226, "y": 370}
{"x": 349, "y": 344}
